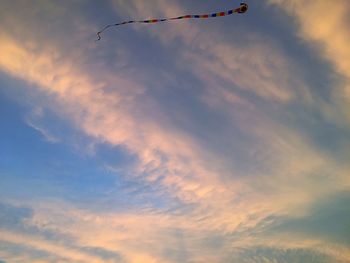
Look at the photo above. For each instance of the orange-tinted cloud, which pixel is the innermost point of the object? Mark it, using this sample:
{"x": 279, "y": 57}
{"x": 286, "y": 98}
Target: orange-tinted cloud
{"x": 287, "y": 165}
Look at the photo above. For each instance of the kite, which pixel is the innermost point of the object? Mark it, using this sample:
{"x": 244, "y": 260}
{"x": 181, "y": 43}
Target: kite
{"x": 240, "y": 10}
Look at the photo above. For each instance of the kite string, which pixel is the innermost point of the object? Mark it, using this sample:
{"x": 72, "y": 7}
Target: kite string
{"x": 242, "y": 9}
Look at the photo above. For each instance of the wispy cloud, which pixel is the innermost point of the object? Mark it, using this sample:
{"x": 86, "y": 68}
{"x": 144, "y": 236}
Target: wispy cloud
{"x": 317, "y": 22}
{"x": 44, "y": 132}
{"x": 233, "y": 178}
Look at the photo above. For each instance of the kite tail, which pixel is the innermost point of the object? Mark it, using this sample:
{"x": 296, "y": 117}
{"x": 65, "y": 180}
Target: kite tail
{"x": 98, "y": 36}
{"x": 240, "y": 10}
{"x": 100, "y": 32}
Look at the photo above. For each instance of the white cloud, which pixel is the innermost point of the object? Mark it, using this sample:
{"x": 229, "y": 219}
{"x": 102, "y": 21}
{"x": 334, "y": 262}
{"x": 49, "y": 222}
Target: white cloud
{"x": 43, "y": 131}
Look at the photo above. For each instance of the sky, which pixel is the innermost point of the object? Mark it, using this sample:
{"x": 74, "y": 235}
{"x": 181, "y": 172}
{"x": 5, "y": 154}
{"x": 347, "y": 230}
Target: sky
{"x": 220, "y": 140}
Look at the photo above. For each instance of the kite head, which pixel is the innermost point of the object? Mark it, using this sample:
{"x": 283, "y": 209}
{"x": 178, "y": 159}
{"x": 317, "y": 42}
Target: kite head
{"x": 243, "y": 8}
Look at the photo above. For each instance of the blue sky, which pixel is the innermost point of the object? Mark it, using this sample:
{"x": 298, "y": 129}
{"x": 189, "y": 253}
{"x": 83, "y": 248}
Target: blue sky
{"x": 221, "y": 140}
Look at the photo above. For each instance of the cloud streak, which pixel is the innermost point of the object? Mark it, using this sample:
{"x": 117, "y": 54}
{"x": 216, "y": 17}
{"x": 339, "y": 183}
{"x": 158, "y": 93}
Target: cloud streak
{"x": 316, "y": 26}
{"x": 229, "y": 191}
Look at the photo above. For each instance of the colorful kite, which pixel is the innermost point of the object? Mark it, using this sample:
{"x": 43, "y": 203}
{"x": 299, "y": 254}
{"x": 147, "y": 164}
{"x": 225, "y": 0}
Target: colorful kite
{"x": 240, "y": 10}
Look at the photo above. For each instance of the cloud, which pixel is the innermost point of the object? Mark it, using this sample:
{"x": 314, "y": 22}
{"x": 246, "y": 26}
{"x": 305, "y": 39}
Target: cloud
{"x": 319, "y": 29}
{"x": 327, "y": 219}
{"x": 325, "y": 25}
{"x": 254, "y": 64}
{"x": 28, "y": 242}
{"x": 268, "y": 168}
{"x": 43, "y": 245}
{"x": 266, "y": 254}
{"x": 44, "y": 132}
{"x": 89, "y": 107}
{"x": 134, "y": 235}
{"x": 258, "y": 66}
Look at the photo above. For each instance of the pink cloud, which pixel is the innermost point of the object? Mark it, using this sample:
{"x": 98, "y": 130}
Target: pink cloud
{"x": 126, "y": 115}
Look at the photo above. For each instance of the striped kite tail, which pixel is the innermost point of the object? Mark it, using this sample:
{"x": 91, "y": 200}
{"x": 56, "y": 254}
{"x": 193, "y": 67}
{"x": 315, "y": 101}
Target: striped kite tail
{"x": 240, "y": 10}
